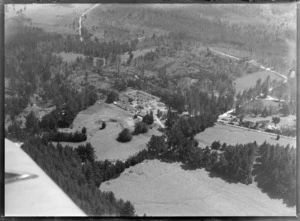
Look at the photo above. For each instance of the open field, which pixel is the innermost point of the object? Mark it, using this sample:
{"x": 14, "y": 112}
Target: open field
{"x": 288, "y": 121}
{"x": 165, "y": 189}
{"x": 249, "y": 80}
{"x": 233, "y": 135}
{"x": 104, "y": 141}
{"x": 136, "y": 54}
{"x": 53, "y": 17}
{"x": 70, "y": 57}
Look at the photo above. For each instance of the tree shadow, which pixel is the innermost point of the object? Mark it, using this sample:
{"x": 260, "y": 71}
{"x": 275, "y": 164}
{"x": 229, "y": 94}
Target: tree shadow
{"x": 260, "y": 175}
{"x": 223, "y": 177}
{"x": 186, "y": 166}
{"x": 212, "y": 174}
{"x": 268, "y": 186}
{"x": 168, "y": 160}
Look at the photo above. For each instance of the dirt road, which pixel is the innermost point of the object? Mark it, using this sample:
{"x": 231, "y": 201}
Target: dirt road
{"x": 81, "y": 18}
{"x": 261, "y": 66}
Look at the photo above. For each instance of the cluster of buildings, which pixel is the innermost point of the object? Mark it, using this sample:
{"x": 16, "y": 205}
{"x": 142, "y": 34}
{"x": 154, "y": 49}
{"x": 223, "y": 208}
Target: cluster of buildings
{"x": 140, "y": 103}
{"x": 248, "y": 123}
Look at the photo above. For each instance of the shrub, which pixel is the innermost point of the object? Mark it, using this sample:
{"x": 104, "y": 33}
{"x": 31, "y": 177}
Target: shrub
{"x": 103, "y": 125}
{"x": 140, "y": 127}
{"x": 215, "y": 145}
{"x": 112, "y": 96}
{"x": 66, "y": 137}
{"x": 148, "y": 118}
{"x": 124, "y": 136}
{"x": 32, "y": 122}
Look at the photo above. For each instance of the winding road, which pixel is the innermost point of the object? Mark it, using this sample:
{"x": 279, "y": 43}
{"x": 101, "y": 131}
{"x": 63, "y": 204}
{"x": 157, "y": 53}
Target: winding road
{"x": 81, "y": 19}
{"x": 261, "y": 66}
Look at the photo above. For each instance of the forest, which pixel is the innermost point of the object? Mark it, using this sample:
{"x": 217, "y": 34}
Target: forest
{"x": 276, "y": 172}
{"x": 65, "y": 167}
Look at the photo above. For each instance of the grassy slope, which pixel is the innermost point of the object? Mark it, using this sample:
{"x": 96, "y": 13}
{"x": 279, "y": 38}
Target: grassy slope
{"x": 249, "y": 80}
{"x": 53, "y": 17}
{"x": 186, "y": 18}
{"x": 104, "y": 141}
{"x": 233, "y": 135}
{"x": 165, "y": 189}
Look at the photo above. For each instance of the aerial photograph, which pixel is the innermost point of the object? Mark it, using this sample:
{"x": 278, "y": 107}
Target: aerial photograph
{"x": 150, "y": 109}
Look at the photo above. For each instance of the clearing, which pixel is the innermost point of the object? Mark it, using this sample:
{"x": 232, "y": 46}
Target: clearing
{"x": 165, "y": 189}
{"x": 249, "y": 80}
{"x": 104, "y": 141}
{"x": 59, "y": 18}
{"x": 71, "y": 57}
{"x": 233, "y": 135}
{"x": 287, "y": 121}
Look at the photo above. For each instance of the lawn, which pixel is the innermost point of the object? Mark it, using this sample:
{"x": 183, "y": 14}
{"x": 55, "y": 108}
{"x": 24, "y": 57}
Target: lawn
{"x": 249, "y": 80}
{"x": 233, "y": 135}
{"x": 104, "y": 141}
{"x": 54, "y": 17}
{"x": 288, "y": 121}
{"x": 165, "y": 189}
{"x": 136, "y": 54}
{"x": 70, "y": 56}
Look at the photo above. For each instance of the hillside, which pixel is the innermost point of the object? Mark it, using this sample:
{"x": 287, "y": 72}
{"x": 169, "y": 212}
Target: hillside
{"x": 158, "y": 99}
{"x": 62, "y": 18}
{"x": 138, "y": 19}
{"x": 266, "y": 37}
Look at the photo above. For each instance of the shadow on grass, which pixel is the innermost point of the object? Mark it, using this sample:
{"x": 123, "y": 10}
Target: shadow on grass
{"x": 223, "y": 177}
{"x": 271, "y": 188}
{"x": 264, "y": 183}
{"x": 212, "y": 174}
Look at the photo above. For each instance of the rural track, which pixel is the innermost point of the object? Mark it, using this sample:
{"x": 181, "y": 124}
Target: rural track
{"x": 80, "y": 20}
{"x": 248, "y": 129}
{"x": 260, "y": 66}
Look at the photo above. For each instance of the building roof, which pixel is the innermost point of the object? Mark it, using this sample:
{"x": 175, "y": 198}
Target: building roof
{"x": 293, "y": 74}
{"x": 38, "y": 196}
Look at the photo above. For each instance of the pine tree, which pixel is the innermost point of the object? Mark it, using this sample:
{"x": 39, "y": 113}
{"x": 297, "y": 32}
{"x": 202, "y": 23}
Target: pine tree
{"x": 127, "y": 210}
{"x": 32, "y": 123}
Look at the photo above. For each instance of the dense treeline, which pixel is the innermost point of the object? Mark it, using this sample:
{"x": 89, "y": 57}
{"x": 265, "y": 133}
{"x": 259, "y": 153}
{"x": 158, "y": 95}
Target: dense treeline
{"x": 31, "y": 67}
{"x": 235, "y": 162}
{"x": 63, "y": 165}
{"x": 66, "y": 137}
{"x": 197, "y": 102}
{"x": 69, "y": 103}
{"x": 261, "y": 42}
{"x": 276, "y": 172}
{"x": 28, "y": 60}
{"x": 97, "y": 172}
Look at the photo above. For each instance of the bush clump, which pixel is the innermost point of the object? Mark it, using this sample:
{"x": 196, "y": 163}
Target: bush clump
{"x": 112, "y": 96}
{"x": 140, "y": 128}
{"x": 148, "y": 118}
{"x": 66, "y": 137}
{"x": 103, "y": 125}
{"x": 124, "y": 136}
